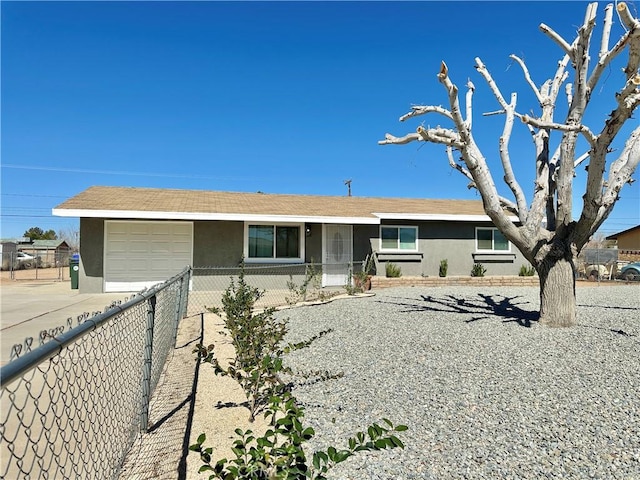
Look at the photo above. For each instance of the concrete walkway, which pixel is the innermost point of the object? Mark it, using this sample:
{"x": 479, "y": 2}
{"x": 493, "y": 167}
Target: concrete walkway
{"x": 28, "y": 307}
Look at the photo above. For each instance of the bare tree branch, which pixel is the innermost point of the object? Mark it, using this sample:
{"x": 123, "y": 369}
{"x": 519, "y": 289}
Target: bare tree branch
{"x": 625, "y": 15}
{"x": 509, "y": 177}
{"x": 482, "y": 70}
{"x": 506, "y": 203}
{"x": 567, "y": 90}
{"x": 580, "y": 159}
{"x": 469, "y": 116}
{"x": 548, "y": 31}
{"x": 440, "y": 135}
{"x": 391, "y": 140}
{"x": 591, "y": 138}
{"x": 619, "y": 173}
{"x": 580, "y": 63}
{"x": 606, "y": 59}
{"x": 477, "y": 165}
{"x": 527, "y": 77}
{"x": 418, "y": 110}
{"x": 606, "y": 31}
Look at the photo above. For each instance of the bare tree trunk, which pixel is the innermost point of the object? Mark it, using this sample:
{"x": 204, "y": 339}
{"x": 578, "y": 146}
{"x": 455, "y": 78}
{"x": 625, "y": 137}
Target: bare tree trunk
{"x": 557, "y": 292}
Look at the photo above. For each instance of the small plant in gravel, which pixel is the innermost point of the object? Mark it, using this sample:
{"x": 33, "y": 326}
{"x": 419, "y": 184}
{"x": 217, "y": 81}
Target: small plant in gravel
{"x": 527, "y": 271}
{"x": 444, "y": 266}
{"x": 392, "y": 270}
{"x": 312, "y": 278}
{"x": 258, "y": 342}
{"x": 279, "y": 453}
{"x": 478, "y": 270}
{"x": 360, "y": 281}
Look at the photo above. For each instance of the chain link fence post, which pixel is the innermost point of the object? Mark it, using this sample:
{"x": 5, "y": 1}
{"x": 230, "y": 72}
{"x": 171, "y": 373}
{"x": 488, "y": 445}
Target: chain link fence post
{"x": 146, "y": 369}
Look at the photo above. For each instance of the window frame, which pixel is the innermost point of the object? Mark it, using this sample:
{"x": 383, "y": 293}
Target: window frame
{"x": 398, "y": 249}
{"x": 493, "y": 242}
{"x": 273, "y": 258}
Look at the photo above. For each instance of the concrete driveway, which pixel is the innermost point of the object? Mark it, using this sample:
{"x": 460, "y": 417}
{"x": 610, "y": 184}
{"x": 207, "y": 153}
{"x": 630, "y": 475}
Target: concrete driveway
{"x": 27, "y": 307}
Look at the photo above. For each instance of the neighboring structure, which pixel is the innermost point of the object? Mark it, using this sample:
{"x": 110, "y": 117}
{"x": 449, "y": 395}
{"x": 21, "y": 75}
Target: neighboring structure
{"x": 628, "y": 243}
{"x": 51, "y": 253}
{"x": 8, "y": 248}
{"x": 131, "y": 238}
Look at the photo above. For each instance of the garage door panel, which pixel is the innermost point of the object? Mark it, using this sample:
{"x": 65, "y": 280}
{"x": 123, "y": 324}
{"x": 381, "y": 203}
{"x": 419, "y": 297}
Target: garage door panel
{"x": 140, "y": 254}
{"x": 157, "y": 247}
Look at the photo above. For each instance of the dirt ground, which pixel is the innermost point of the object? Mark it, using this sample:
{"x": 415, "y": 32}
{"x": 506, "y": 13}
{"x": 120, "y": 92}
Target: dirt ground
{"x": 61, "y": 274}
{"x": 189, "y": 400}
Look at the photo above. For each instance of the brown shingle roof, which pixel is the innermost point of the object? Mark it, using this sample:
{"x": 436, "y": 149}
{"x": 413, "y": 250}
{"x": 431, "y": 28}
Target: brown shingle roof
{"x": 213, "y": 202}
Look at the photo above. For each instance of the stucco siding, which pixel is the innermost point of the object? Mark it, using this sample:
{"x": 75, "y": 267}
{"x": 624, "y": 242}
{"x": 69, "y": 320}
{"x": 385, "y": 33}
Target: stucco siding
{"x": 91, "y": 275}
{"x": 217, "y": 244}
{"x": 629, "y": 240}
{"x": 220, "y": 244}
{"x": 453, "y": 241}
{"x": 313, "y": 244}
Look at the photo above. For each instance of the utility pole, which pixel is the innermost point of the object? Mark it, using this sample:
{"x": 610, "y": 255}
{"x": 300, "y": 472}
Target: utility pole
{"x": 348, "y": 184}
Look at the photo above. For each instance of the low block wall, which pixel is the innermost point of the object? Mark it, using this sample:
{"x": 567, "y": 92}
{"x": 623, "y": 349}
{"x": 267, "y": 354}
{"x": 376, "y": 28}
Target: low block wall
{"x": 497, "y": 280}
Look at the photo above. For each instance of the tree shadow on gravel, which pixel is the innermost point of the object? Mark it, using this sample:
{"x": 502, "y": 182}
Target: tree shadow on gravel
{"x": 485, "y": 307}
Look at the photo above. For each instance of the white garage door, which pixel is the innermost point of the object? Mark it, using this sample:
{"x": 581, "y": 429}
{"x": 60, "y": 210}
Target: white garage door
{"x": 141, "y": 254}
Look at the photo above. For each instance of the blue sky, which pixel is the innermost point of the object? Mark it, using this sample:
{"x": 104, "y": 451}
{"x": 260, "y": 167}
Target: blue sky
{"x": 284, "y": 97}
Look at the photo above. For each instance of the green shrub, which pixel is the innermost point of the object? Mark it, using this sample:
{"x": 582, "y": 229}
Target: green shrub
{"x": 392, "y": 270}
{"x": 257, "y": 339}
{"x": 527, "y": 271}
{"x": 444, "y": 266}
{"x": 279, "y": 453}
{"x": 478, "y": 270}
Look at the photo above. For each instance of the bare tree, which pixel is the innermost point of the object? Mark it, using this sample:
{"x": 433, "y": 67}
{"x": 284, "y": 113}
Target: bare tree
{"x": 545, "y": 232}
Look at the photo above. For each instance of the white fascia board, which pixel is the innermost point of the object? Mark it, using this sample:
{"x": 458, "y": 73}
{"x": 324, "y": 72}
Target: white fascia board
{"x": 438, "y": 216}
{"x": 240, "y": 217}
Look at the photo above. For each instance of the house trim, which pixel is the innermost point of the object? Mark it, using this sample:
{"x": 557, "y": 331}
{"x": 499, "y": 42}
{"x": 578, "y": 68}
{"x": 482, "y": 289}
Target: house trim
{"x": 375, "y": 220}
{"x": 437, "y": 216}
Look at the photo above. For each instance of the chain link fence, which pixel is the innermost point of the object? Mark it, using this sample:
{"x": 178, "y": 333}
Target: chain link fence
{"x": 71, "y": 408}
{"x": 43, "y": 264}
{"x": 597, "y": 264}
{"x": 281, "y": 284}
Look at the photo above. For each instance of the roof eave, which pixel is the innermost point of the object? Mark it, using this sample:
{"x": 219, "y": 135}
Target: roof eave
{"x": 243, "y": 217}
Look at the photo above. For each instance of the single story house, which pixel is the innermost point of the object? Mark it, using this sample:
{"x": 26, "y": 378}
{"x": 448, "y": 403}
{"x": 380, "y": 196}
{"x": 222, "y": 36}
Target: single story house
{"x": 131, "y": 238}
{"x": 628, "y": 242}
{"x": 627, "y": 239}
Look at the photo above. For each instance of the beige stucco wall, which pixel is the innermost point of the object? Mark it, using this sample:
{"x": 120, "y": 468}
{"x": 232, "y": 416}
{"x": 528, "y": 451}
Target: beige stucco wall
{"x": 629, "y": 240}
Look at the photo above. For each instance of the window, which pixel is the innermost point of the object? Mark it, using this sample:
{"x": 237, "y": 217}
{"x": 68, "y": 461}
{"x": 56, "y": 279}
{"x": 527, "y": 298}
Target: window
{"x": 273, "y": 242}
{"x": 399, "y": 238}
{"x": 491, "y": 239}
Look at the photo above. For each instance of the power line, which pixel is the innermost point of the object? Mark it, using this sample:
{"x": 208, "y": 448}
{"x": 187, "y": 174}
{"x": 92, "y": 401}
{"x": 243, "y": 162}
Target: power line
{"x": 32, "y": 195}
{"x": 122, "y": 172}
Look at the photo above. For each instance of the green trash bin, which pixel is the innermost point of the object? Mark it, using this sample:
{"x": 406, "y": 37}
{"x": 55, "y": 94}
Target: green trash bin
{"x": 74, "y": 270}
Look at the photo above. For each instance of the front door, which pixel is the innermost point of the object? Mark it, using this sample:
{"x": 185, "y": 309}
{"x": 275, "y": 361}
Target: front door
{"x": 337, "y": 252}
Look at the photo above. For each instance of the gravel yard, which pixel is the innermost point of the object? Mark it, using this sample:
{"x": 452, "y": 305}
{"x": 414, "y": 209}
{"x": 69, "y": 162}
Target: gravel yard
{"x": 486, "y": 392}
